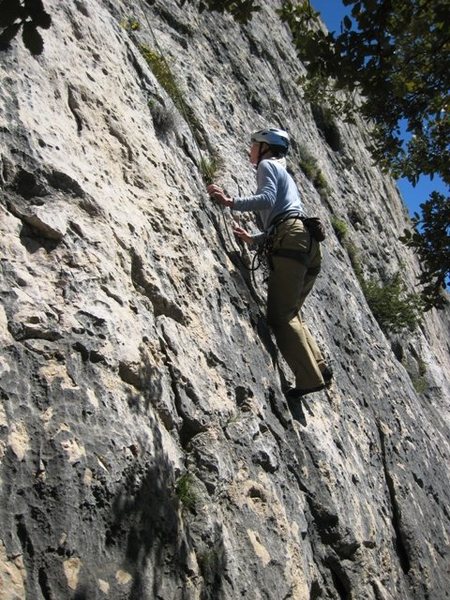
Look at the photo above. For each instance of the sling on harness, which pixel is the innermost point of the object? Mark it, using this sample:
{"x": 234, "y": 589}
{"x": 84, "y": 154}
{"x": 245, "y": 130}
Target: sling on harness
{"x": 313, "y": 224}
{"x": 315, "y": 229}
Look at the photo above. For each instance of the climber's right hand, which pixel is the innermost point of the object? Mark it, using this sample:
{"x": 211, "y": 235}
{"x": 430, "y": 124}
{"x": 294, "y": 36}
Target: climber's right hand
{"x": 217, "y": 194}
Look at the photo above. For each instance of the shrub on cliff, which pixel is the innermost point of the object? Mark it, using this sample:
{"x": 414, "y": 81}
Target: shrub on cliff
{"x": 309, "y": 166}
{"x": 391, "y": 305}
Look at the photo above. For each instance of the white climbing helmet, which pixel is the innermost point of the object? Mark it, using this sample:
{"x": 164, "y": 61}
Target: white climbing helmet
{"x": 272, "y": 137}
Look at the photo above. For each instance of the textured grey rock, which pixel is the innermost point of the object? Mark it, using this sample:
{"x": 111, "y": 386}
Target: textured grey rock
{"x": 146, "y": 449}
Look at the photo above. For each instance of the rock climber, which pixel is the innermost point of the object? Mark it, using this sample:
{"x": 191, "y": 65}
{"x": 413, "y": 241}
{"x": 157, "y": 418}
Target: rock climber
{"x": 294, "y": 257}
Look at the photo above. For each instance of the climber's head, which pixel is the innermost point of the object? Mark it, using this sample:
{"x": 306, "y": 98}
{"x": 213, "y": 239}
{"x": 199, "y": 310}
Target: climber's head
{"x": 268, "y": 143}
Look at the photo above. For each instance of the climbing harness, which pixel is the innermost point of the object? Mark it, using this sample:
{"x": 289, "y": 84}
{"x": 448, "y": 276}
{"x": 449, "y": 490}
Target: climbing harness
{"x": 315, "y": 229}
{"x": 265, "y": 250}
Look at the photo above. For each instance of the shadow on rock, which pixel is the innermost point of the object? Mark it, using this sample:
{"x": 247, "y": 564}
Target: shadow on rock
{"x": 158, "y": 523}
{"x": 27, "y": 17}
{"x": 146, "y": 524}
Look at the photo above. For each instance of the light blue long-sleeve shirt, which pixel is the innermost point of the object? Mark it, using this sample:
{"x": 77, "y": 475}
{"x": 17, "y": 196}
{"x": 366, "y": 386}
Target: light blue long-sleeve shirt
{"x": 276, "y": 193}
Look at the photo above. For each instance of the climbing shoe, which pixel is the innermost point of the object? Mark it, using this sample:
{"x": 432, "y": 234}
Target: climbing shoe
{"x": 295, "y": 393}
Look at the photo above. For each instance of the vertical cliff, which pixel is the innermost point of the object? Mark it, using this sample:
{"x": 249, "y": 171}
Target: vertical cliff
{"x": 146, "y": 448}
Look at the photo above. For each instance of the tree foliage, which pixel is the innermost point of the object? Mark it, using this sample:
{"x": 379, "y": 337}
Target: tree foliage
{"x": 395, "y": 55}
{"x": 25, "y": 15}
{"x": 392, "y": 306}
{"x": 431, "y": 241}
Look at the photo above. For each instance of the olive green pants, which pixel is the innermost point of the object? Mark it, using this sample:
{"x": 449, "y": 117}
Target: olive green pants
{"x": 290, "y": 281}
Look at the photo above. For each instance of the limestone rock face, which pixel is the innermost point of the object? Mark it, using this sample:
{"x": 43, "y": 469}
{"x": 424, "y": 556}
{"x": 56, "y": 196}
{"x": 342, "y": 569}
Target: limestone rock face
{"x": 146, "y": 448}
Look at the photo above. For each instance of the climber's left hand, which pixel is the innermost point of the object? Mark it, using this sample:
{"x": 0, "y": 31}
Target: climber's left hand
{"x": 242, "y": 234}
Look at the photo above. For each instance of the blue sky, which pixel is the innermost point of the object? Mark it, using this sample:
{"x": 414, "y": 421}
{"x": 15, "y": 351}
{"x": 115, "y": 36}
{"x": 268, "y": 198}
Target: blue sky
{"x": 332, "y": 12}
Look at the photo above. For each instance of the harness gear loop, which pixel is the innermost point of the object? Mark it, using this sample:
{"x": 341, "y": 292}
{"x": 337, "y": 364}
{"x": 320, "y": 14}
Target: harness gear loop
{"x": 299, "y": 255}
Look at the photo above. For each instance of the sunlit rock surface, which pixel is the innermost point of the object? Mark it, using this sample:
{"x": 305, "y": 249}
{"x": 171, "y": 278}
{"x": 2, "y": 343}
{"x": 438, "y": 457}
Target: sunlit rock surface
{"x": 146, "y": 448}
